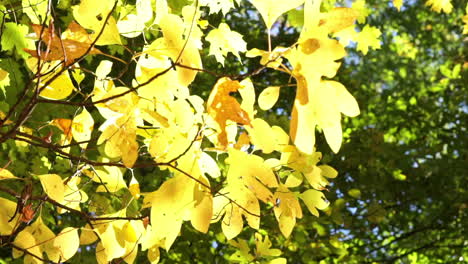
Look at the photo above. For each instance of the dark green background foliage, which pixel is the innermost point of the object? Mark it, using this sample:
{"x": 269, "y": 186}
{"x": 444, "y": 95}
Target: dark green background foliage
{"x": 401, "y": 195}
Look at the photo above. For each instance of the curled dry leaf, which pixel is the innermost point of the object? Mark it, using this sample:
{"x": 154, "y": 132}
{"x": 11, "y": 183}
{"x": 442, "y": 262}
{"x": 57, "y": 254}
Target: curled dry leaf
{"x": 74, "y": 43}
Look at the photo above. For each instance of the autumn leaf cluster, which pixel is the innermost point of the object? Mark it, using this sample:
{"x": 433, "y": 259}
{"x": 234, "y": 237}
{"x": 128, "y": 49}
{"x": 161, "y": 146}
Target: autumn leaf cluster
{"x": 226, "y": 165}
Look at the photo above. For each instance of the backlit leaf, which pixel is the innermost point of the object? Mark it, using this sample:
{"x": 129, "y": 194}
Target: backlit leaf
{"x": 82, "y": 126}
{"x": 223, "y": 40}
{"x": 368, "y": 38}
{"x": 270, "y": 12}
{"x": 222, "y": 106}
{"x": 73, "y": 44}
{"x": 6, "y": 174}
{"x": 268, "y": 97}
{"x": 14, "y": 38}
{"x": 7, "y": 208}
{"x": 440, "y": 5}
{"x": 53, "y": 186}
{"x": 67, "y": 242}
{"x": 92, "y": 15}
{"x": 286, "y": 210}
{"x": 314, "y": 200}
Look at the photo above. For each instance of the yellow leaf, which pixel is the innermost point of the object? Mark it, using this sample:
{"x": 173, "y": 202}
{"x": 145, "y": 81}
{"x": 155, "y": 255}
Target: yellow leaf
{"x": 103, "y": 69}
{"x": 131, "y": 26}
{"x": 247, "y": 92}
{"x": 245, "y": 204}
{"x": 130, "y": 253}
{"x": 92, "y": 15}
{"x": 286, "y": 209}
{"x": 153, "y": 255}
{"x": 8, "y": 209}
{"x": 368, "y": 38}
{"x": 270, "y": 59}
{"x": 339, "y": 18}
{"x": 360, "y": 7}
{"x": 271, "y": 11}
{"x": 119, "y": 238}
{"x": 183, "y": 115}
{"x": 245, "y": 169}
{"x": 44, "y": 239}
{"x": 82, "y": 127}
{"x": 314, "y": 200}
{"x": 208, "y": 165}
{"x": 27, "y": 241}
{"x": 101, "y": 256}
{"x": 203, "y": 208}
{"x": 465, "y": 20}
{"x": 440, "y": 5}
{"x": 168, "y": 144}
{"x": 316, "y": 177}
{"x": 355, "y": 193}
{"x": 268, "y": 97}
{"x": 263, "y": 246}
{"x": 73, "y": 195}
{"x": 329, "y": 99}
{"x": 134, "y": 187}
{"x": 156, "y": 60}
{"x": 294, "y": 179}
{"x": 53, "y": 186}
{"x": 398, "y": 4}
{"x": 169, "y": 205}
{"x": 267, "y": 138}
{"x": 346, "y": 35}
{"x": 61, "y": 87}
{"x": 87, "y": 235}
{"x": 242, "y": 142}
{"x": 223, "y": 40}
{"x": 144, "y": 10}
{"x": 328, "y": 171}
{"x": 334, "y": 136}
{"x": 282, "y": 138}
{"x": 186, "y": 51}
{"x": 111, "y": 178}
{"x": 261, "y": 135}
{"x": 67, "y": 242}
{"x": 36, "y": 10}
{"x": 128, "y": 232}
{"x": 311, "y": 14}
{"x": 243, "y": 253}
{"x": 121, "y": 138}
{"x": 6, "y": 174}
{"x": 112, "y": 237}
{"x": 278, "y": 261}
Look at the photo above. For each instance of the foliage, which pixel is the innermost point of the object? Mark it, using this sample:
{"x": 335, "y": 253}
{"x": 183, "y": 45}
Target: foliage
{"x": 121, "y": 121}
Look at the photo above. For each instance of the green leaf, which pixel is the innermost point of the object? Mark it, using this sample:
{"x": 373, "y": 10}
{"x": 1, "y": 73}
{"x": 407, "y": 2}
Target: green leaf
{"x": 14, "y": 38}
{"x": 296, "y": 18}
{"x": 355, "y": 193}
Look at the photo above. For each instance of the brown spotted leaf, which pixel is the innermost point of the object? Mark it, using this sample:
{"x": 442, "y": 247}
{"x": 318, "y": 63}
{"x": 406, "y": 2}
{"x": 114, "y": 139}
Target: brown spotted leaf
{"x": 74, "y": 43}
{"x": 222, "y": 106}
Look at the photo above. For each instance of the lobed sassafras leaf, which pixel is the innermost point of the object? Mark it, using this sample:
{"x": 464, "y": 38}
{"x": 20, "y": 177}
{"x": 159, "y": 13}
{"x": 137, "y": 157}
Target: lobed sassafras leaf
{"x": 223, "y": 41}
{"x": 286, "y": 210}
{"x": 440, "y": 5}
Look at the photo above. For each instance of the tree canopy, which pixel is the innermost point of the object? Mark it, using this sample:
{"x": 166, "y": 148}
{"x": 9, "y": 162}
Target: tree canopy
{"x": 298, "y": 131}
